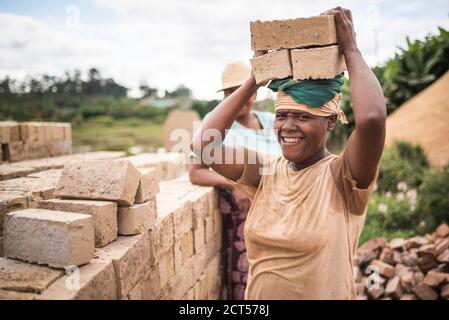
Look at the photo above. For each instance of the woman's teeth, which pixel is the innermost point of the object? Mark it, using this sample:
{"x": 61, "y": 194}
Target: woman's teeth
{"x": 290, "y": 140}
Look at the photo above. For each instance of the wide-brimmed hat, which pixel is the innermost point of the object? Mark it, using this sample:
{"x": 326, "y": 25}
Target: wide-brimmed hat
{"x": 234, "y": 75}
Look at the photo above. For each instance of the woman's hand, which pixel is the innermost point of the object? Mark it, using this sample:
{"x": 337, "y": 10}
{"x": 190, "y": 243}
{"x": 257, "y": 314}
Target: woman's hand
{"x": 345, "y": 28}
{"x": 258, "y": 53}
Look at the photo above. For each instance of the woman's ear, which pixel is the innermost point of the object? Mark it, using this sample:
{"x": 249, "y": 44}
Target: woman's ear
{"x": 332, "y": 121}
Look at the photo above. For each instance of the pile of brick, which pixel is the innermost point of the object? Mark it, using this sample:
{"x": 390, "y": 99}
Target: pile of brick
{"x": 416, "y": 268}
{"x": 106, "y": 223}
{"x": 303, "y": 48}
{"x": 32, "y": 140}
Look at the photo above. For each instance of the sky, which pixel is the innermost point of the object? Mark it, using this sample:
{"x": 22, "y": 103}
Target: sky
{"x": 172, "y": 42}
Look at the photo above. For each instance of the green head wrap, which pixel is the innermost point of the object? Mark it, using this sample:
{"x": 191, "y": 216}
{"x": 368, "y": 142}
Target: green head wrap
{"x": 313, "y": 93}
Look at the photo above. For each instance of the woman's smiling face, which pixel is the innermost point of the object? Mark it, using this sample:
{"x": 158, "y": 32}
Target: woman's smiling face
{"x": 301, "y": 134}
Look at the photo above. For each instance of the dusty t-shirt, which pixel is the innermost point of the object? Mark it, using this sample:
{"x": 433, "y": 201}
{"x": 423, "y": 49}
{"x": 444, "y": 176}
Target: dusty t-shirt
{"x": 302, "y": 229}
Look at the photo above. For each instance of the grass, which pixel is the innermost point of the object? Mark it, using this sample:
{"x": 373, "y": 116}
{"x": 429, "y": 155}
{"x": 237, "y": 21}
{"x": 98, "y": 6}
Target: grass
{"x": 105, "y": 133}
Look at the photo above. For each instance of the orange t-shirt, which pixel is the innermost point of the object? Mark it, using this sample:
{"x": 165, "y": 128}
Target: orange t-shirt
{"x": 302, "y": 229}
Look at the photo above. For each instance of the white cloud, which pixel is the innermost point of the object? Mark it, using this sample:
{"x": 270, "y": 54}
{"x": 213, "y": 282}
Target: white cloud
{"x": 171, "y": 42}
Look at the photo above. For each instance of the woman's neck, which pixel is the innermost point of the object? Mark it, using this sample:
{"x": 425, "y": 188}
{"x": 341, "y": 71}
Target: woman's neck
{"x": 321, "y": 154}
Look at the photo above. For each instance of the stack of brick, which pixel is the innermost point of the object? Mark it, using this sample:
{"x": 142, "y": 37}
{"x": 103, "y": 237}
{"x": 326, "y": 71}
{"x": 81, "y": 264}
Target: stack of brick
{"x": 33, "y": 140}
{"x": 178, "y": 258}
{"x": 83, "y": 185}
{"x": 416, "y": 268}
{"x": 303, "y": 48}
{"x": 26, "y": 192}
{"x": 173, "y": 253}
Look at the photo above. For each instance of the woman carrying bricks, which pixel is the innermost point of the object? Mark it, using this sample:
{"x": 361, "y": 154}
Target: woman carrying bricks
{"x": 246, "y": 131}
{"x": 309, "y": 205}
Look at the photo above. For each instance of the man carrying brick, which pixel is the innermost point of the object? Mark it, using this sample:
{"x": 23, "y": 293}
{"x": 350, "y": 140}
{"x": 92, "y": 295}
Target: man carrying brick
{"x": 309, "y": 207}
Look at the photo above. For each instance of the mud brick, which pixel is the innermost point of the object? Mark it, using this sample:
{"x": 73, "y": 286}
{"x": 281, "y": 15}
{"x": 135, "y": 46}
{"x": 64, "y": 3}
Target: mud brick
{"x": 364, "y": 257}
{"x": 273, "y": 65}
{"x": 203, "y": 287}
{"x": 441, "y": 247}
{"x": 189, "y": 295}
{"x": 148, "y": 185}
{"x": 397, "y": 244}
{"x": 14, "y": 295}
{"x": 161, "y": 236}
{"x": 148, "y": 288}
{"x": 444, "y": 257}
{"x": 55, "y": 238}
{"x": 430, "y": 237}
{"x": 112, "y": 180}
{"x": 184, "y": 249}
{"x": 94, "y": 281}
{"x": 67, "y": 131}
{"x": 10, "y": 201}
{"x": 20, "y": 150}
{"x": 401, "y": 269}
{"x": 426, "y": 262}
{"x": 25, "y": 277}
{"x": 384, "y": 269}
{"x": 9, "y": 131}
{"x": 445, "y": 291}
{"x": 375, "y": 292}
{"x": 408, "y": 296}
{"x": 181, "y": 209}
{"x": 5, "y": 136}
{"x": 418, "y": 276}
{"x": 184, "y": 279}
{"x": 199, "y": 237}
{"x": 136, "y": 219}
{"x": 28, "y": 131}
{"x": 317, "y": 63}
{"x": 150, "y": 285}
{"x": 52, "y": 174}
{"x": 213, "y": 273}
{"x": 33, "y": 189}
{"x": 104, "y": 215}
{"x": 387, "y": 256}
{"x": 166, "y": 267}
{"x": 424, "y": 292}
{"x": 166, "y": 293}
{"x": 409, "y": 259}
{"x": 435, "y": 279}
{"x": 394, "y": 289}
{"x": 426, "y": 250}
{"x": 416, "y": 242}
{"x": 293, "y": 33}
{"x": 130, "y": 257}
{"x": 14, "y": 170}
{"x": 376, "y": 244}
{"x": 442, "y": 231}
{"x": 408, "y": 281}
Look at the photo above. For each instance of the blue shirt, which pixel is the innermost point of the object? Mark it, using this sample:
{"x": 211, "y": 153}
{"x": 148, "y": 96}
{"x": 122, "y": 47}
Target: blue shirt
{"x": 263, "y": 140}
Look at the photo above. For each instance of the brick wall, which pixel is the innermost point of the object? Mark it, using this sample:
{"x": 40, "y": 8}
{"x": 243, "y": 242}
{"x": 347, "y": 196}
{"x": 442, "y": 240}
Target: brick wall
{"x": 174, "y": 253}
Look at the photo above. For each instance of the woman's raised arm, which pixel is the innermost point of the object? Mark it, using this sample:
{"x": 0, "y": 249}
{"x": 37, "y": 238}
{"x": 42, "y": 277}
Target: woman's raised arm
{"x": 208, "y": 141}
{"x": 365, "y": 145}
